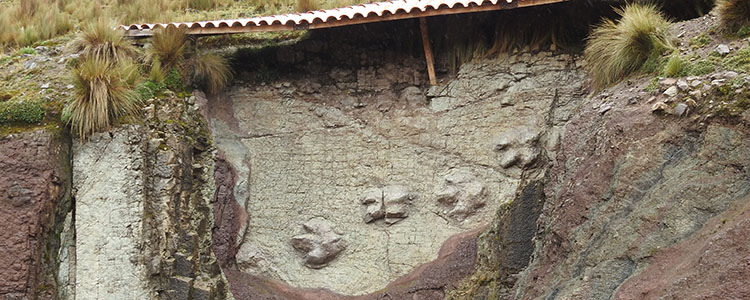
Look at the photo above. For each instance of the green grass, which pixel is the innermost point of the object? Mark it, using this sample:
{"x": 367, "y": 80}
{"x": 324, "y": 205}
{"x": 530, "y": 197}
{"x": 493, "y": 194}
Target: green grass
{"x": 744, "y": 31}
{"x": 617, "y": 49}
{"x": 673, "y": 66}
{"x": 27, "y": 50}
{"x": 21, "y": 112}
{"x": 699, "y": 41}
{"x": 739, "y": 62}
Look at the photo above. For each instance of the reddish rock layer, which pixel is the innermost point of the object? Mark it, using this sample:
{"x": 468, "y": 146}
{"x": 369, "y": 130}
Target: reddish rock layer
{"x": 33, "y": 181}
{"x": 229, "y": 216}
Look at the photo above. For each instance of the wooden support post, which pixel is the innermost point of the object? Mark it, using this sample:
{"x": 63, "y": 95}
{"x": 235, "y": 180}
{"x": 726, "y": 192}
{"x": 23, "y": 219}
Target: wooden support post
{"x": 427, "y": 51}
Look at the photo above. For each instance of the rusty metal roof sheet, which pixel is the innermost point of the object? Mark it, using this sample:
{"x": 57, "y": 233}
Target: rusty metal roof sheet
{"x": 356, "y": 14}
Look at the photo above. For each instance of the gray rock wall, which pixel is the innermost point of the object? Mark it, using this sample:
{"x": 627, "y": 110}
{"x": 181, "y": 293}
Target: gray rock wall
{"x": 333, "y": 144}
{"x": 143, "y": 215}
{"x": 108, "y": 185}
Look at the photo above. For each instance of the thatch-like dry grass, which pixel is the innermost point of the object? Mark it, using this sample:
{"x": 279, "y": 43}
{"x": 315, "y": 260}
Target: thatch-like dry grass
{"x": 734, "y": 14}
{"x": 98, "y": 40}
{"x": 210, "y": 71}
{"x": 103, "y": 93}
{"x": 617, "y": 49}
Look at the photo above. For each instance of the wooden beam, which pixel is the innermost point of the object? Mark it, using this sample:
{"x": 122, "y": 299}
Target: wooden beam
{"x": 427, "y": 51}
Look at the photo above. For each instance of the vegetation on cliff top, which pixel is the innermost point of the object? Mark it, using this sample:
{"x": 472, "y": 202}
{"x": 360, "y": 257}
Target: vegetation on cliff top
{"x": 617, "y": 49}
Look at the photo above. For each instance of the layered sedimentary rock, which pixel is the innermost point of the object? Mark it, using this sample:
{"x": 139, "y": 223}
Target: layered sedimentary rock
{"x": 336, "y": 133}
{"x": 144, "y": 209}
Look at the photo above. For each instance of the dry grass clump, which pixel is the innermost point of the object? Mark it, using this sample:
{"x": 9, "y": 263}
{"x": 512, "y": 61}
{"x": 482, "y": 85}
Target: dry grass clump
{"x": 211, "y": 72}
{"x": 168, "y": 46}
{"x": 103, "y": 93}
{"x": 614, "y": 50}
{"x": 98, "y": 40}
{"x": 734, "y": 14}
{"x": 171, "y": 52}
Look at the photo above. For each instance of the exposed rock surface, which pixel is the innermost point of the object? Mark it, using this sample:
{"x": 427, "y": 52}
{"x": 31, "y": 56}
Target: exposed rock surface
{"x": 389, "y": 203}
{"x": 34, "y": 199}
{"x": 143, "y": 209}
{"x": 316, "y": 141}
{"x": 642, "y": 206}
{"x": 320, "y": 243}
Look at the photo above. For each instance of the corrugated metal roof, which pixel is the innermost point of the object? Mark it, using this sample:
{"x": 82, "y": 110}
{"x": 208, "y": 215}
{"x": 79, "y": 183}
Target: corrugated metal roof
{"x": 356, "y": 14}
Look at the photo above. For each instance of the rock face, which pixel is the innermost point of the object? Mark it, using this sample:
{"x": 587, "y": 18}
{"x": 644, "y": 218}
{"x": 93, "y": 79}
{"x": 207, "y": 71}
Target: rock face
{"x": 316, "y": 141}
{"x": 109, "y": 216}
{"x": 143, "y": 209}
{"x": 34, "y": 200}
{"x": 642, "y": 206}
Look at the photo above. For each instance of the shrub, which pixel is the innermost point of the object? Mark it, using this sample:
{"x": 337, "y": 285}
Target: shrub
{"x": 734, "y": 14}
{"x": 614, "y": 50}
{"x": 102, "y": 94}
{"x": 98, "y": 40}
{"x": 211, "y": 72}
{"x": 21, "y": 112}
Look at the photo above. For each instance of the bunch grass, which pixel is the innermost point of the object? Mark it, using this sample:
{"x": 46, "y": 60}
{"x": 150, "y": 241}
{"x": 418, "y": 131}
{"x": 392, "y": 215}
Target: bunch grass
{"x": 734, "y": 14}
{"x": 614, "y": 50}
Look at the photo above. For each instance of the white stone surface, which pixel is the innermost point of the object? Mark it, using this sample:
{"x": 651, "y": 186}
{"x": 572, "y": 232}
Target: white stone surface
{"x": 109, "y": 208}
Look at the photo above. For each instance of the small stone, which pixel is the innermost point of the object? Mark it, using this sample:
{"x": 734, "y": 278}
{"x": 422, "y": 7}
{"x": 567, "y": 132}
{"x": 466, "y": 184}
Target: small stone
{"x": 716, "y": 82}
{"x": 658, "y": 107}
{"x": 70, "y": 86}
{"x": 671, "y": 91}
{"x": 680, "y": 109}
{"x": 682, "y": 84}
{"x": 696, "y": 83}
{"x": 604, "y": 108}
{"x": 668, "y": 81}
{"x": 722, "y": 49}
{"x": 45, "y": 86}
{"x": 651, "y": 99}
{"x": 697, "y": 94}
{"x": 731, "y": 74}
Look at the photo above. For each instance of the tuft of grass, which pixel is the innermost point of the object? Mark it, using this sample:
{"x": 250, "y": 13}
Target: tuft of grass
{"x": 734, "y": 14}
{"x": 673, "y": 66}
{"x": 615, "y": 50}
{"x": 15, "y": 112}
{"x": 103, "y": 93}
{"x": 98, "y": 40}
{"x": 169, "y": 46}
{"x": 27, "y": 50}
{"x": 211, "y": 72}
